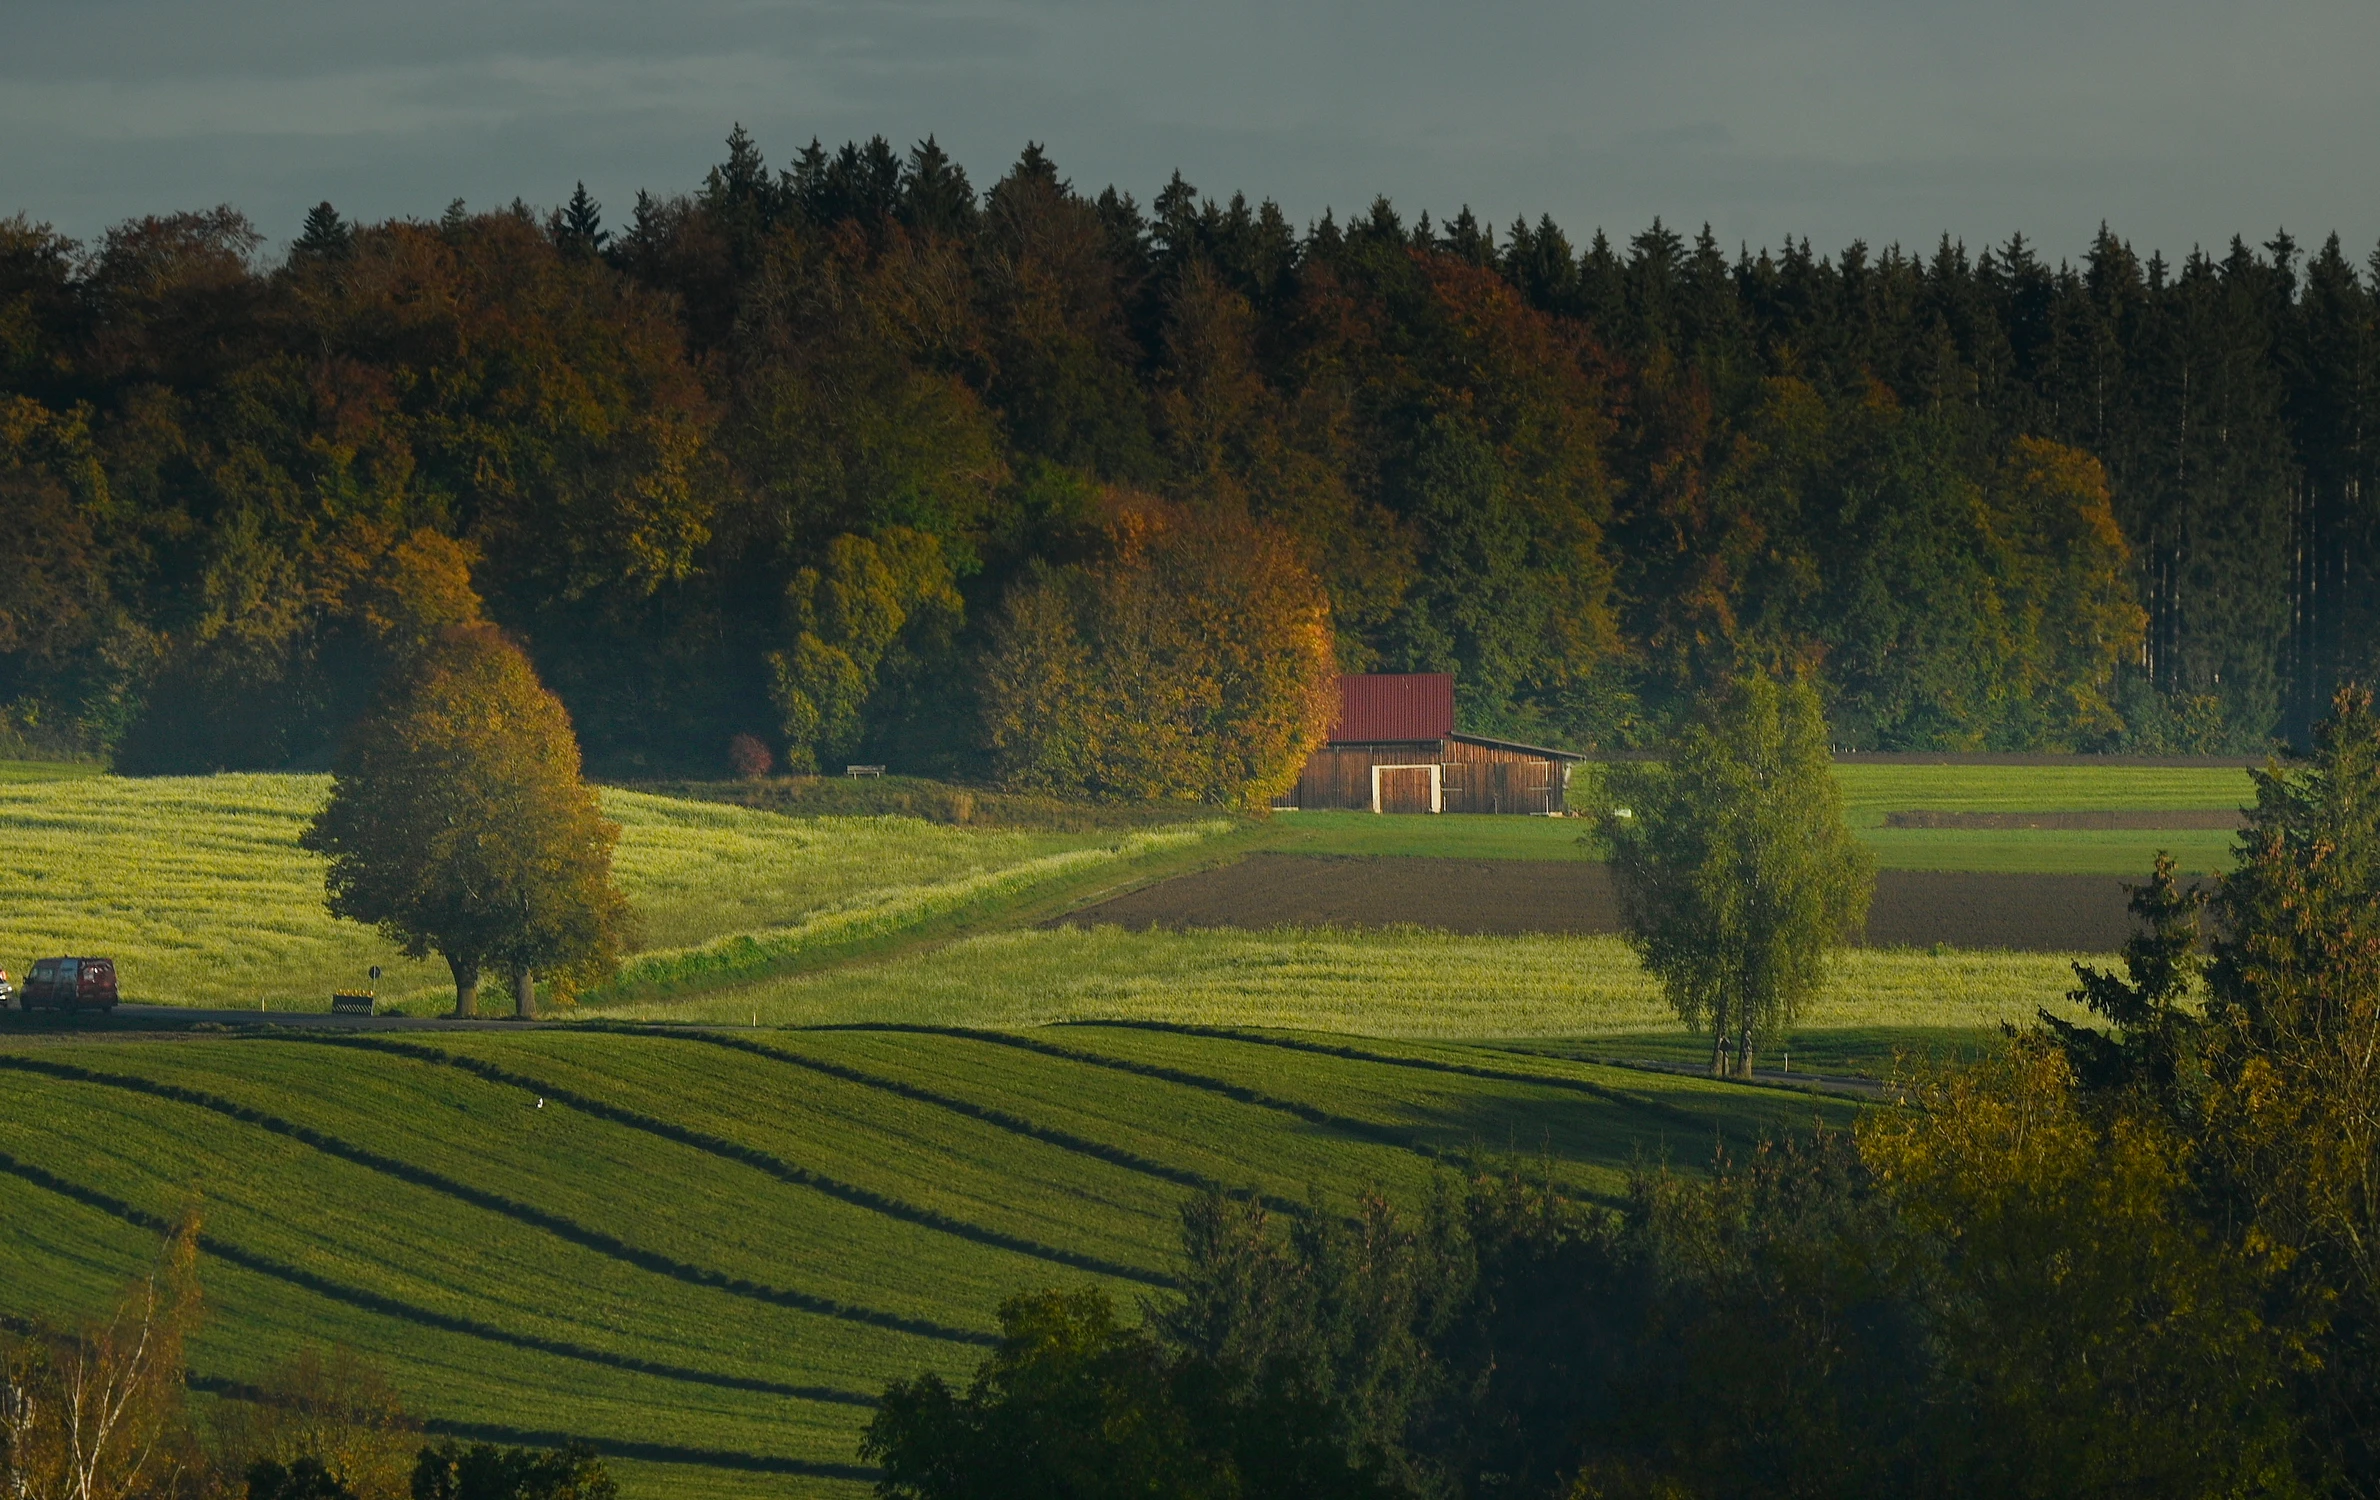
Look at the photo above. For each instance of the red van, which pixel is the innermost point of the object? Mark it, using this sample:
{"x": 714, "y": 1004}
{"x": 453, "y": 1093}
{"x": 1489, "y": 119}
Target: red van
{"x": 70, "y": 984}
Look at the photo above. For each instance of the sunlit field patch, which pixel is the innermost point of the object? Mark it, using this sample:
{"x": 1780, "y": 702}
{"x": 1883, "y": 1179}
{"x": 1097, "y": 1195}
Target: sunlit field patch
{"x": 196, "y": 886}
{"x": 1398, "y": 983}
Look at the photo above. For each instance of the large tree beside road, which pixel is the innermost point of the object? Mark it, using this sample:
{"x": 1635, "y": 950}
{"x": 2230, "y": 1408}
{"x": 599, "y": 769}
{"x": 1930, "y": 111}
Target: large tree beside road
{"x": 458, "y": 823}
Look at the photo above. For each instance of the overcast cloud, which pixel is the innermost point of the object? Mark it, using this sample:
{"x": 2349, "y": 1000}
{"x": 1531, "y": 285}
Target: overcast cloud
{"x": 2179, "y": 122}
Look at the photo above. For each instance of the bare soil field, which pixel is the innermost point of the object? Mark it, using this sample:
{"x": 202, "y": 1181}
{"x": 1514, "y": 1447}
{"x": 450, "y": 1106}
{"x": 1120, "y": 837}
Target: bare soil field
{"x": 1914, "y": 908}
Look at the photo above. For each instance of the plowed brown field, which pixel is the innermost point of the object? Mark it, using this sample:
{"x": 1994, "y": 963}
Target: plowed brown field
{"x": 2032, "y": 913}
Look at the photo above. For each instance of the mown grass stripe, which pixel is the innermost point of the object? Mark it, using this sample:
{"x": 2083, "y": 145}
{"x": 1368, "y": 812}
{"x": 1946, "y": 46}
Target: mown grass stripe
{"x": 390, "y": 1307}
{"x": 774, "y": 1166}
{"x": 1383, "y": 1135}
{"x": 998, "y": 1118}
{"x": 537, "y": 1218}
{"x": 1430, "y": 1065}
{"x": 525, "y": 1437}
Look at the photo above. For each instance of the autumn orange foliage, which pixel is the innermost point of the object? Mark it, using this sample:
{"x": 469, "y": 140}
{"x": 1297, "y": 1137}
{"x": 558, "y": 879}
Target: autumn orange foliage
{"x": 1193, "y": 662}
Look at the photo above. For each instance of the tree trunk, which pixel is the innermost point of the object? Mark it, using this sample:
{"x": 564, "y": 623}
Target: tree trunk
{"x": 1743, "y": 1053}
{"x": 1719, "y": 1044}
{"x": 524, "y": 993}
{"x": 466, "y": 972}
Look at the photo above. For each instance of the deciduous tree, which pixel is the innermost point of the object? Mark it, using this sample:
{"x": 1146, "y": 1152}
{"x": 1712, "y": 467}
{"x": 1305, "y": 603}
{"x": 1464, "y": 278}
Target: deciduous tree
{"x": 1192, "y": 663}
{"x": 96, "y": 1413}
{"x": 457, "y": 823}
{"x": 1737, "y": 874}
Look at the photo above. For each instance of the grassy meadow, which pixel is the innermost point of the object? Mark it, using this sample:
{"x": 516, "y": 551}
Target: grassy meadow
{"x": 708, "y": 1254}
{"x": 1391, "y": 983}
{"x": 1871, "y": 791}
{"x": 198, "y": 889}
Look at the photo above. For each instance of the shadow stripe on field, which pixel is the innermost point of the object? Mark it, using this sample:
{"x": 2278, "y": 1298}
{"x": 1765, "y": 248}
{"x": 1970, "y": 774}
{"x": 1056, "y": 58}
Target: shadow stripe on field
{"x": 1366, "y": 1130}
{"x": 1594, "y": 1090}
{"x": 1513, "y": 897}
{"x": 554, "y": 1224}
{"x": 391, "y": 1307}
{"x": 720, "y": 1146}
{"x": 999, "y": 1119}
{"x": 527, "y": 1437}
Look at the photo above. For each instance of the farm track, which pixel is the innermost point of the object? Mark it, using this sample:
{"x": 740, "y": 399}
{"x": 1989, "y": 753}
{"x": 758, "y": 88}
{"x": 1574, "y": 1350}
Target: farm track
{"x": 462, "y": 1192}
{"x": 775, "y": 1166}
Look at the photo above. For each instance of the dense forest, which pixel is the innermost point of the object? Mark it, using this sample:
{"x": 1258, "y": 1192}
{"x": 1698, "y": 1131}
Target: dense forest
{"x": 780, "y": 458}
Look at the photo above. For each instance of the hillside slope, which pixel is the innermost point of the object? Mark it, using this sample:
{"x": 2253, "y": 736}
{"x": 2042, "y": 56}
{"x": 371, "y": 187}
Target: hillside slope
{"x": 707, "y": 1252}
{"x": 196, "y": 885}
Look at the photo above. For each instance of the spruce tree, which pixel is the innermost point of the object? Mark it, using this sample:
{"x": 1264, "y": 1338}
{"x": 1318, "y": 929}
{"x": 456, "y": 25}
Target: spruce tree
{"x": 325, "y": 236}
{"x": 581, "y": 224}
{"x": 936, "y": 197}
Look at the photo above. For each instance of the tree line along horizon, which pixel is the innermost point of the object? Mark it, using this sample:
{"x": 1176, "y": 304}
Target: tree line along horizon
{"x": 856, "y": 461}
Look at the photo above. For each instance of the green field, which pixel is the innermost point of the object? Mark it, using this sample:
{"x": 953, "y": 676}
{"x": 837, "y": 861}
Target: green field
{"x": 709, "y": 1250}
{"x": 196, "y": 886}
{"x": 1374, "y": 983}
{"x": 48, "y": 770}
{"x": 719, "y": 1253}
{"x": 1869, "y": 792}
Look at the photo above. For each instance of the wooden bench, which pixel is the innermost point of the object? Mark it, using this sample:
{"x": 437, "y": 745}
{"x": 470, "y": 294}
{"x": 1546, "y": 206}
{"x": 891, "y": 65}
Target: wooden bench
{"x": 352, "y": 1005}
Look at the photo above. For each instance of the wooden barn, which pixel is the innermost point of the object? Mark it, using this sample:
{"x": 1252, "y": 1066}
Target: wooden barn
{"x": 1395, "y": 750}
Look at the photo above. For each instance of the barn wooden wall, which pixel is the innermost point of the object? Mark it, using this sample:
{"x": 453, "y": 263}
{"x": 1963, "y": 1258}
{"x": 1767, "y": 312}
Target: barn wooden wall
{"x": 1477, "y": 778}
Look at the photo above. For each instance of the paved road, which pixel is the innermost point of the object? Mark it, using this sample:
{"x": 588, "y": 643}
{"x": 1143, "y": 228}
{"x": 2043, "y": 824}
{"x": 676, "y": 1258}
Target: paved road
{"x": 182, "y": 1017}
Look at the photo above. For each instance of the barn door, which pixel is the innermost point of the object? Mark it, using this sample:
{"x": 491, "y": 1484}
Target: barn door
{"x": 1407, "y": 789}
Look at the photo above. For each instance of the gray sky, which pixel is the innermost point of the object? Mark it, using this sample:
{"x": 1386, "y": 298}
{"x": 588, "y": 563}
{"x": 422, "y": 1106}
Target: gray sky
{"x": 2178, "y": 122}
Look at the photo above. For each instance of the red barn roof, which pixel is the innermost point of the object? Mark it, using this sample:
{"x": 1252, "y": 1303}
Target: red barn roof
{"x": 1395, "y": 706}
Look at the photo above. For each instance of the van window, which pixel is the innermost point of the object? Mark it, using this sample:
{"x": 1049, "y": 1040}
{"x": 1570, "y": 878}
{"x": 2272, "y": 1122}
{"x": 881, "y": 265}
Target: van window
{"x": 44, "y": 972}
{"x": 68, "y": 969}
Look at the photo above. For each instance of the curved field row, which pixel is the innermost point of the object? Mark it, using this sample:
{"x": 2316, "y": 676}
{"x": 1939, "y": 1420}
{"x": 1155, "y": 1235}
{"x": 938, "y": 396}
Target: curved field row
{"x": 621, "y": 1265}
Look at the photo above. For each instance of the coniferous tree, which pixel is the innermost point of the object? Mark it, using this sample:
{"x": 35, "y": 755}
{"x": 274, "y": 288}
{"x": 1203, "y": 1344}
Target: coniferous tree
{"x": 325, "y": 235}
{"x": 581, "y": 224}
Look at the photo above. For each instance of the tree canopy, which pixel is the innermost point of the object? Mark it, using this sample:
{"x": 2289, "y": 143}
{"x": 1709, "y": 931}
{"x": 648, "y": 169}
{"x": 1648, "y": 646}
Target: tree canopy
{"x": 1737, "y": 874}
{"x": 458, "y": 824}
{"x": 1193, "y": 661}
{"x": 1987, "y": 502}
